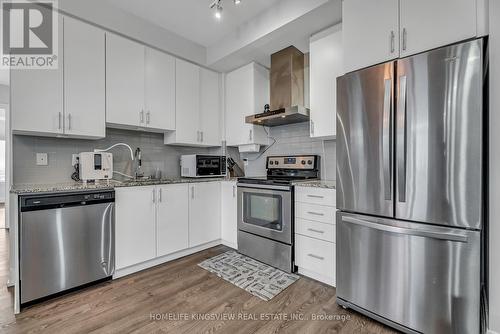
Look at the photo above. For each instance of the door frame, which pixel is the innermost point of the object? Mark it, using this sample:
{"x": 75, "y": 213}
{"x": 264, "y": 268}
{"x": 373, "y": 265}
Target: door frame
{"x": 8, "y": 161}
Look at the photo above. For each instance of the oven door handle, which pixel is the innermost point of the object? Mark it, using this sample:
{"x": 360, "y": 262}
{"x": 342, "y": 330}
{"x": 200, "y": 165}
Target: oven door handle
{"x": 264, "y": 186}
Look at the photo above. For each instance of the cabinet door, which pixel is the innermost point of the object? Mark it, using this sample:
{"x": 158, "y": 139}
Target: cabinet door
{"x": 326, "y": 65}
{"x": 229, "y": 210}
{"x": 370, "y": 32}
{"x": 428, "y": 24}
{"x": 37, "y": 98}
{"x": 210, "y": 108}
{"x": 135, "y": 226}
{"x": 84, "y": 79}
{"x": 187, "y": 109}
{"x": 204, "y": 213}
{"x": 239, "y": 102}
{"x": 160, "y": 90}
{"x": 172, "y": 219}
{"x": 124, "y": 82}
{"x": 247, "y": 90}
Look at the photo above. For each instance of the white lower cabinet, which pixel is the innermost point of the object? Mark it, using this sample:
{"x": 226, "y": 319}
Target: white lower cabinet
{"x": 155, "y": 224}
{"x": 135, "y": 228}
{"x": 315, "y": 237}
{"x": 229, "y": 214}
{"x": 204, "y": 213}
{"x": 315, "y": 258}
{"x": 172, "y": 219}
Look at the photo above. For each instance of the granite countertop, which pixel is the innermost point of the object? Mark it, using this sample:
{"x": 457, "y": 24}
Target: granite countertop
{"x": 327, "y": 184}
{"x": 102, "y": 185}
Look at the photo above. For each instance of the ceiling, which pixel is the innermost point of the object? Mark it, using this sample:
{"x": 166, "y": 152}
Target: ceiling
{"x": 193, "y": 19}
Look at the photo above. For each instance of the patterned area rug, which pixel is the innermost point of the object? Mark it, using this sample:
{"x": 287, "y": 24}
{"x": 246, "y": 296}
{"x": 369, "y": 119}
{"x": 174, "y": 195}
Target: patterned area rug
{"x": 246, "y": 273}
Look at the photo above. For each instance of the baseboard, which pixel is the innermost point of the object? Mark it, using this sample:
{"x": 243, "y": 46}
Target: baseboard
{"x": 229, "y": 244}
{"x": 318, "y": 277}
{"x": 163, "y": 259}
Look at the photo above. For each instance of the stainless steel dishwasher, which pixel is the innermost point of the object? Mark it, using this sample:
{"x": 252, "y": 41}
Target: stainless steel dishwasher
{"x": 66, "y": 241}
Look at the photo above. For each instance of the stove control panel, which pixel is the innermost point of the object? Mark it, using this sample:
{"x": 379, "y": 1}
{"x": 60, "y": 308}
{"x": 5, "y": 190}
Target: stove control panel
{"x": 308, "y": 162}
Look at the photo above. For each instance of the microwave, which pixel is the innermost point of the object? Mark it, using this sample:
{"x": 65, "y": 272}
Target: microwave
{"x": 195, "y": 165}
{"x": 95, "y": 166}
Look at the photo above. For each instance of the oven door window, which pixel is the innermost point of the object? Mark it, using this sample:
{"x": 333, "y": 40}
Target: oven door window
{"x": 263, "y": 210}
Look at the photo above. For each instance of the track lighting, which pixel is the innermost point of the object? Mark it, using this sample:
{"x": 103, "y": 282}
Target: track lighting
{"x": 218, "y": 12}
{"x": 217, "y": 5}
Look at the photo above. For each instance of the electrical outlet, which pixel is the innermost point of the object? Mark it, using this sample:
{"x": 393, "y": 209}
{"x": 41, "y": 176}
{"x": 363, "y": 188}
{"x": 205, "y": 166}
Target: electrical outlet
{"x": 74, "y": 159}
{"x": 42, "y": 159}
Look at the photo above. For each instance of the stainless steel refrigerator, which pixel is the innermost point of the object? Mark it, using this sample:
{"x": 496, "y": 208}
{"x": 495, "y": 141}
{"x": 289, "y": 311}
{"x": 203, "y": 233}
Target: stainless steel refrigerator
{"x": 410, "y": 176}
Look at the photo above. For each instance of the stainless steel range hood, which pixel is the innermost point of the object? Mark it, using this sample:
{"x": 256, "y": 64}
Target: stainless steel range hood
{"x": 287, "y": 90}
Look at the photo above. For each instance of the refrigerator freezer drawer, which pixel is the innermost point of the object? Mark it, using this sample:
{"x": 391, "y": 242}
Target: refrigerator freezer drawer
{"x": 424, "y": 278}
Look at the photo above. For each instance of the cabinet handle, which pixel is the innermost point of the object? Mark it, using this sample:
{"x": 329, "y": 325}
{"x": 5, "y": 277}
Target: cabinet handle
{"x": 201, "y": 136}
{"x": 154, "y": 196}
{"x": 315, "y": 231}
{"x": 312, "y": 128}
{"x": 250, "y": 135}
{"x": 234, "y": 191}
{"x": 315, "y": 196}
{"x": 198, "y": 136}
{"x": 160, "y": 196}
{"x": 405, "y": 33}
{"x": 315, "y": 213}
{"x": 316, "y": 257}
{"x": 148, "y": 117}
{"x": 60, "y": 121}
{"x": 392, "y": 41}
{"x": 69, "y": 121}
{"x": 192, "y": 192}
{"x": 141, "y": 116}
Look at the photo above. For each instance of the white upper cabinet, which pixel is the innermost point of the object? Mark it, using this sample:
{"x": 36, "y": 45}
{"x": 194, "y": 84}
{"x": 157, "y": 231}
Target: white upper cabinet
{"x": 371, "y": 32}
{"x": 37, "y": 98}
{"x": 378, "y": 31}
{"x": 187, "y": 108}
{"x": 124, "y": 82}
{"x": 68, "y": 101}
{"x": 197, "y": 110}
{"x": 428, "y": 24}
{"x": 160, "y": 90}
{"x": 84, "y": 79}
{"x": 210, "y": 108}
{"x": 140, "y": 86}
{"x": 247, "y": 91}
{"x": 326, "y": 65}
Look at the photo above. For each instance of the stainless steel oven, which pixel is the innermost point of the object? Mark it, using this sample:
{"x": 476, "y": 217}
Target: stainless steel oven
{"x": 266, "y": 210}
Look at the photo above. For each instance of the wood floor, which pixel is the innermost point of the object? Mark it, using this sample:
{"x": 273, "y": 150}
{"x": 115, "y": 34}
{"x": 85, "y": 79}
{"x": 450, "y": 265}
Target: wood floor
{"x": 165, "y": 299}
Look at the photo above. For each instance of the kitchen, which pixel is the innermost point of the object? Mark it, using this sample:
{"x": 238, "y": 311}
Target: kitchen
{"x": 185, "y": 156}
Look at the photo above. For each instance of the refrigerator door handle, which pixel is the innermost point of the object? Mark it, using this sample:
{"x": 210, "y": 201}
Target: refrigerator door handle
{"x": 386, "y": 139}
{"x": 401, "y": 140}
{"x": 407, "y": 231}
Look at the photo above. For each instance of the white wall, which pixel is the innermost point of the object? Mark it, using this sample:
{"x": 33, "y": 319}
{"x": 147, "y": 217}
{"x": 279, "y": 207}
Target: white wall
{"x": 104, "y": 14}
{"x": 494, "y": 186}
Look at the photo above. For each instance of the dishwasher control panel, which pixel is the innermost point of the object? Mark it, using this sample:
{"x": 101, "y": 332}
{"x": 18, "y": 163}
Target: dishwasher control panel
{"x": 60, "y": 200}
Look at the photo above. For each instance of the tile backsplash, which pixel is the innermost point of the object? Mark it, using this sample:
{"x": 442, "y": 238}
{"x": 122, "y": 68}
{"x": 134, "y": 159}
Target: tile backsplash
{"x": 294, "y": 139}
{"x": 155, "y": 154}
{"x": 290, "y": 139}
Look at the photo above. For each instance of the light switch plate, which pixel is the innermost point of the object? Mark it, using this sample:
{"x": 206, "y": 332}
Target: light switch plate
{"x": 42, "y": 159}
